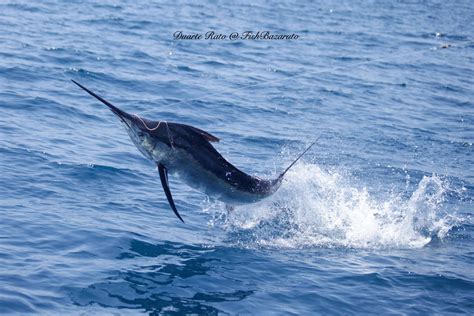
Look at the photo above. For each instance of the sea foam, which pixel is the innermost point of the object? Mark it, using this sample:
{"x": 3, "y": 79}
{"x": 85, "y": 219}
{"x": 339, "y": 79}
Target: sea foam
{"x": 316, "y": 207}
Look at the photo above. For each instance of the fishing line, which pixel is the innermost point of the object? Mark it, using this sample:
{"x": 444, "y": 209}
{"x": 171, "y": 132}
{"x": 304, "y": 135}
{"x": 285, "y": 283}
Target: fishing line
{"x": 146, "y": 126}
{"x": 169, "y": 135}
{"x": 156, "y": 127}
{"x": 420, "y": 52}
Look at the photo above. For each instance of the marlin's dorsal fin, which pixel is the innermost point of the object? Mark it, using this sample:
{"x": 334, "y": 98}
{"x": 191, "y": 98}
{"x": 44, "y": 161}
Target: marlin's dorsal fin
{"x": 164, "y": 182}
{"x": 206, "y": 135}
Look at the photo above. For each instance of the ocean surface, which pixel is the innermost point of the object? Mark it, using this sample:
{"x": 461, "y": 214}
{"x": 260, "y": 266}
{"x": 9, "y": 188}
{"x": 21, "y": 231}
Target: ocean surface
{"x": 376, "y": 219}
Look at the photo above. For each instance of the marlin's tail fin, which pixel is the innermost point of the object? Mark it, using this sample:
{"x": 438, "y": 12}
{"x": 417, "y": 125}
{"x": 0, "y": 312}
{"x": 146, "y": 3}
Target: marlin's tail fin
{"x": 280, "y": 177}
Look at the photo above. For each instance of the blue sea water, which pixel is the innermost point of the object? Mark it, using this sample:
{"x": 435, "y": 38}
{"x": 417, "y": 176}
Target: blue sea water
{"x": 376, "y": 219}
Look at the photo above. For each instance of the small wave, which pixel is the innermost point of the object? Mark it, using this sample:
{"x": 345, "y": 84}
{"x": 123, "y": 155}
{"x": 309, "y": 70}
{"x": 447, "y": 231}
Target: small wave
{"x": 322, "y": 208}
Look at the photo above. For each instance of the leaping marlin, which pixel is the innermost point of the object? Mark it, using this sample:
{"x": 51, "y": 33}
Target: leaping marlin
{"x": 187, "y": 151}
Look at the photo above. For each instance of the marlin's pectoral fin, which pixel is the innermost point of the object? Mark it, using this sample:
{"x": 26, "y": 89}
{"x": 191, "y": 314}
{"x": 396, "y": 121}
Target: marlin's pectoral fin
{"x": 164, "y": 182}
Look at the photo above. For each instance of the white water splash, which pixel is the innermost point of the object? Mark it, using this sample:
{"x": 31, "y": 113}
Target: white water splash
{"x": 320, "y": 208}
